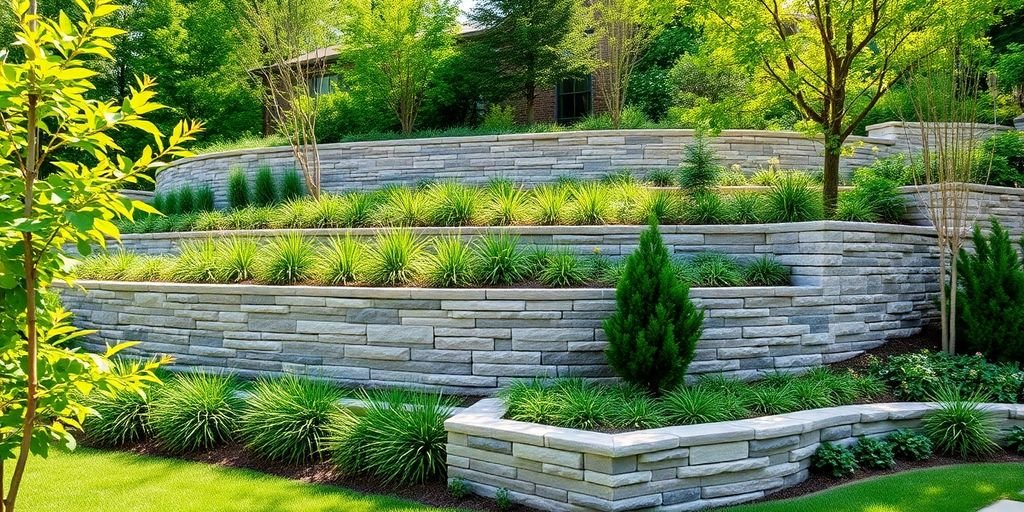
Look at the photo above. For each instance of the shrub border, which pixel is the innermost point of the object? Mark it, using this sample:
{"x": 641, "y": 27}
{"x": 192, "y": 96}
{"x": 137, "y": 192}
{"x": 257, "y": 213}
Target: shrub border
{"x": 740, "y": 460}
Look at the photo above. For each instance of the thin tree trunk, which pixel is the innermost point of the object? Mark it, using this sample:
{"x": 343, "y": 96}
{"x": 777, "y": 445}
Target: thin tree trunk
{"x": 952, "y": 305}
{"x": 943, "y": 300}
{"x": 531, "y": 95}
{"x": 831, "y": 178}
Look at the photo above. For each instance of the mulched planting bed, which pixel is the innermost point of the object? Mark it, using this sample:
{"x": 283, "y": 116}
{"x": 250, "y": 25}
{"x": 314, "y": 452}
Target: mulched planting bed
{"x": 818, "y": 482}
{"x": 433, "y": 493}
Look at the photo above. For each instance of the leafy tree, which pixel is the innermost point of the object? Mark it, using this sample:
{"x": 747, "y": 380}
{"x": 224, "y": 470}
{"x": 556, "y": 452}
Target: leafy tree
{"x": 625, "y": 28}
{"x": 525, "y": 45}
{"x": 394, "y": 47}
{"x": 648, "y": 87}
{"x": 991, "y": 296}
{"x": 655, "y": 328}
{"x": 837, "y": 59}
{"x": 45, "y": 109}
{"x": 1010, "y": 70}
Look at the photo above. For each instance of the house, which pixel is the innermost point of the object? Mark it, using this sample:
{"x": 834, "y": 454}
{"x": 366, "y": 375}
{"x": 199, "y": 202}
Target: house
{"x": 568, "y": 101}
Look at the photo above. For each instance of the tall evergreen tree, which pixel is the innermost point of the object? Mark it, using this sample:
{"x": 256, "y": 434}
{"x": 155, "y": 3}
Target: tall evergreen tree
{"x": 524, "y": 45}
{"x": 655, "y": 328}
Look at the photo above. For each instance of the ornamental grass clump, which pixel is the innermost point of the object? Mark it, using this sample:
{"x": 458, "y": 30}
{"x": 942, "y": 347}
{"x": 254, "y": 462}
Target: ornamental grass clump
{"x": 451, "y": 264}
{"x": 451, "y": 204}
{"x": 340, "y": 261}
{"x": 715, "y": 270}
{"x": 287, "y": 419}
{"x": 745, "y": 208}
{"x": 400, "y": 437}
{"x": 706, "y": 207}
{"x": 654, "y": 330}
{"x": 766, "y": 271}
{"x": 186, "y": 200}
{"x": 590, "y": 205}
{"x": 291, "y": 185}
{"x": 286, "y": 259}
{"x": 499, "y": 259}
{"x": 961, "y": 426}
{"x": 122, "y": 415}
{"x": 563, "y": 268}
{"x": 579, "y": 404}
{"x": 327, "y": 211}
{"x": 792, "y": 199}
{"x": 264, "y": 191}
{"x": 238, "y": 257}
{"x": 689, "y": 405}
{"x": 769, "y": 400}
{"x": 402, "y": 207}
{"x": 359, "y": 209}
{"x": 150, "y": 268}
{"x": 204, "y": 199}
{"x": 549, "y": 205}
{"x": 661, "y": 178}
{"x": 195, "y": 411}
{"x": 507, "y": 204}
{"x": 395, "y": 258}
{"x": 238, "y": 189}
{"x": 636, "y": 411}
{"x": 529, "y": 400}
{"x": 199, "y": 261}
{"x": 663, "y": 206}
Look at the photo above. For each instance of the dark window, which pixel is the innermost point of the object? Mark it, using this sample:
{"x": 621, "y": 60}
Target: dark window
{"x": 322, "y": 84}
{"x": 573, "y": 99}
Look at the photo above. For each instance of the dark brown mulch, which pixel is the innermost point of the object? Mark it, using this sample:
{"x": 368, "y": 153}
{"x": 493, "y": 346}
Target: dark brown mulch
{"x": 818, "y": 483}
{"x": 928, "y": 339}
{"x": 432, "y": 493}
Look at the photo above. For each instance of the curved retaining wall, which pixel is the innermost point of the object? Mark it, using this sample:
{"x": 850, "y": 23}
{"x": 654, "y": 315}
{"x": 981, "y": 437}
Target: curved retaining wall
{"x": 667, "y": 469}
{"x": 531, "y": 158}
{"x": 857, "y": 285}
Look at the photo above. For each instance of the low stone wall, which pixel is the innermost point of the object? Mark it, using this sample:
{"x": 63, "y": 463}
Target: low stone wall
{"x": 857, "y": 285}
{"x": 532, "y": 158}
{"x": 667, "y": 469}
{"x": 985, "y": 202}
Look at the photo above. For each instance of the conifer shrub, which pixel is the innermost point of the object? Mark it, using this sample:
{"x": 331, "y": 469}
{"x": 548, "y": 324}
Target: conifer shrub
{"x": 238, "y": 189}
{"x": 654, "y": 330}
{"x": 990, "y": 298}
{"x": 264, "y": 188}
{"x": 699, "y": 171}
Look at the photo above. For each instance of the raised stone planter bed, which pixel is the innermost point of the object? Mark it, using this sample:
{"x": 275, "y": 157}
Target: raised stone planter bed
{"x": 669, "y": 469}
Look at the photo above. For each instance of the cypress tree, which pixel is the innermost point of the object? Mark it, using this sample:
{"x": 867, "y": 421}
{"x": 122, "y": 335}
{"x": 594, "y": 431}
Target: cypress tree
{"x": 655, "y": 328}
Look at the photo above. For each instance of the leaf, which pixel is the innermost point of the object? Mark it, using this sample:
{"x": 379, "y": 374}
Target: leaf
{"x": 107, "y": 228}
{"x": 80, "y": 221}
{"x": 72, "y": 74}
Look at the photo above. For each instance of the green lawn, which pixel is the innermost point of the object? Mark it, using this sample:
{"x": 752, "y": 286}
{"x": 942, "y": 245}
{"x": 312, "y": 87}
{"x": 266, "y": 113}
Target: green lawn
{"x": 95, "y": 481}
{"x": 964, "y": 488}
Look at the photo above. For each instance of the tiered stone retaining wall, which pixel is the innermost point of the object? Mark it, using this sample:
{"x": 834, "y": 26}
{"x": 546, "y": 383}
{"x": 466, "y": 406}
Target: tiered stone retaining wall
{"x": 532, "y": 158}
{"x": 984, "y": 202}
{"x": 667, "y": 469}
{"x": 856, "y": 286}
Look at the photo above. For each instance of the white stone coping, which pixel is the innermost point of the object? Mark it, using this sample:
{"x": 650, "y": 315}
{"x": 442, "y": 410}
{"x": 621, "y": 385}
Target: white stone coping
{"x": 600, "y": 230}
{"x": 973, "y": 187}
{"x": 914, "y": 124}
{"x": 427, "y": 141}
{"x": 426, "y": 293}
{"x": 485, "y": 419}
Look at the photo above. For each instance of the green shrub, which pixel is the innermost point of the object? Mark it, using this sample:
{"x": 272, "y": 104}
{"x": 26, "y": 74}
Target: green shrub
{"x": 854, "y": 207}
{"x": 238, "y": 189}
{"x": 499, "y": 259}
{"x": 499, "y": 118}
{"x": 199, "y": 261}
{"x": 360, "y": 209}
{"x": 883, "y": 195}
{"x": 834, "y": 460}
{"x": 811, "y": 393}
{"x": 919, "y": 376}
{"x": 340, "y": 261}
{"x": 734, "y": 177}
{"x": 765, "y": 177}
{"x": 402, "y": 207}
{"x": 209, "y": 221}
{"x": 706, "y": 208}
{"x": 172, "y": 204}
{"x": 507, "y": 203}
{"x": 893, "y": 168}
{"x": 238, "y": 259}
{"x": 291, "y": 185}
{"x": 1015, "y": 439}
{"x": 400, "y": 438}
{"x": 626, "y": 202}
{"x": 713, "y": 270}
{"x": 159, "y": 202}
{"x": 745, "y": 208}
{"x": 874, "y": 453}
{"x": 791, "y": 199}
{"x": 663, "y": 207}
{"x": 287, "y": 419}
{"x": 661, "y": 178}
{"x": 698, "y": 171}
{"x": 536, "y": 257}
{"x": 286, "y": 259}
{"x": 549, "y": 205}
{"x": 766, "y": 271}
{"x": 654, "y": 330}
{"x": 990, "y": 296}
{"x": 451, "y": 263}
{"x": 580, "y": 405}
{"x": 960, "y": 426}
{"x": 327, "y": 211}
{"x": 909, "y": 445}
{"x": 620, "y": 177}
{"x": 195, "y": 411}
{"x": 701, "y": 404}
{"x": 294, "y": 214}
{"x": 395, "y": 258}
{"x": 1002, "y": 160}
{"x": 150, "y": 268}
{"x": 264, "y": 191}
{"x": 452, "y": 204}
{"x": 457, "y": 488}
{"x": 590, "y": 205}
{"x": 502, "y": 499}
{"x": 204, "y": 199}
{"x": 563, "y": 268}
{"x": 529, "y": 400}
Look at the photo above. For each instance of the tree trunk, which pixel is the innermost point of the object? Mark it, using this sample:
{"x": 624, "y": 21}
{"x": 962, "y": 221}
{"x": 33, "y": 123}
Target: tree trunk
{"x": 831, "y": 179}
{"x": 531, "y": 95}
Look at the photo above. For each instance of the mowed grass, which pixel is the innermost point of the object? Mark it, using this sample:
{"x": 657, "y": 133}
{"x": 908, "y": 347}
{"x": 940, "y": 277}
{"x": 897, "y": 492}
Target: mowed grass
{"x": 965, "y": 488}
{"x": 100, "y": 481}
